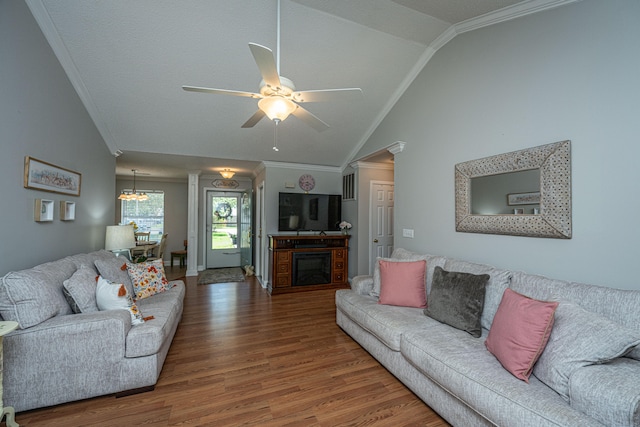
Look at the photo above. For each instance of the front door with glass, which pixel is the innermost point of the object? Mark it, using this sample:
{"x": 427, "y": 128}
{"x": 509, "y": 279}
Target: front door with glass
{"x": 223, "y": 229}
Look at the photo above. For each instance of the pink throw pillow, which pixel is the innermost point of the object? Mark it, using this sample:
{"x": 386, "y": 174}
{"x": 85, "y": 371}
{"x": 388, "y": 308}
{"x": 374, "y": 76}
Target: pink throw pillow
{"x": 403, "y": 283}
{"x": 520, "y": 331}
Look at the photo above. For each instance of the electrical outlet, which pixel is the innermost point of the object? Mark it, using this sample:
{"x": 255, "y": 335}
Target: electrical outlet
{"x": 407, "y": 232}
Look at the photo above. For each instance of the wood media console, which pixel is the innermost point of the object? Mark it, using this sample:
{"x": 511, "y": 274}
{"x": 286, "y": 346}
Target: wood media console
{"x": 304, "y": 263}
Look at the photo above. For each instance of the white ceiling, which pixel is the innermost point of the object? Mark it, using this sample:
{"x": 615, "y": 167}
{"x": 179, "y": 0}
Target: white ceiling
{"x": 128, "y": 60}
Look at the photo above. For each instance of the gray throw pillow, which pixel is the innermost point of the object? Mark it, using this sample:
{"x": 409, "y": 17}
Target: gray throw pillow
{"x": 580, "y": 338}
{"x": 457, "y": 299}
{"x": 80, "y": 290}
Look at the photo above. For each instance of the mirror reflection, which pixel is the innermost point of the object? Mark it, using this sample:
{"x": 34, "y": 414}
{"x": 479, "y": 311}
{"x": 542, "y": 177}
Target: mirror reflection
{"x": 489, "y": 194}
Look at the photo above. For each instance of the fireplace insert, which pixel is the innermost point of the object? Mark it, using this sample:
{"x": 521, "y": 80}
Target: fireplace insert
{"x": 311, "y": 268}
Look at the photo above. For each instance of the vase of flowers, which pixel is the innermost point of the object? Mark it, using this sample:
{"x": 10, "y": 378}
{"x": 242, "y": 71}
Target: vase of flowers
{"x": 345, "y": 227}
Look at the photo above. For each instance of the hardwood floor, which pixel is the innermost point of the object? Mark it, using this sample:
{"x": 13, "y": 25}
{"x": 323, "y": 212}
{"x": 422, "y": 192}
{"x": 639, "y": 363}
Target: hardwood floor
{"x": 243, "y": 357}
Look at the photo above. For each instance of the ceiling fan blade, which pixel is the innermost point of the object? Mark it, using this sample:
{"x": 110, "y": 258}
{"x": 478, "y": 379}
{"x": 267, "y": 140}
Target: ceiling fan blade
{"x": 310, "y": 119}
{"x": 221, "y": 91}
{"x": 323, "y": 95}
{"x": 267, "y": 64}
{"x": 253, "y": 120}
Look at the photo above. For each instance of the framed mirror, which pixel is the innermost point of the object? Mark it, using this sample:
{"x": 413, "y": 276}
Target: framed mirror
{"x": 525, "y": 209}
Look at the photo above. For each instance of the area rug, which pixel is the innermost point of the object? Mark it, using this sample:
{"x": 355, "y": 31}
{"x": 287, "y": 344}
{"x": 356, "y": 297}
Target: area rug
{"x": 220, "y": 275}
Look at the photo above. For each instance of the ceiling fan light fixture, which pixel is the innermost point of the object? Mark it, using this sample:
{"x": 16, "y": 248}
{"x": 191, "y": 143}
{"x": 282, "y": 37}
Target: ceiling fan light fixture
{"x": 277, "y": 107}
{"x": 227, "y": 173}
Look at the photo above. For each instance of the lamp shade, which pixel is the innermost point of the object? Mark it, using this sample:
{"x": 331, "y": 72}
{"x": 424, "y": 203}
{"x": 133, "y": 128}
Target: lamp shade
{"x": 119, "y": 237}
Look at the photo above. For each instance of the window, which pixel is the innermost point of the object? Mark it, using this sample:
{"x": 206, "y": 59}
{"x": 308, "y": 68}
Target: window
{"x": 349, "y": 187}
{"x": 148, "y": 214}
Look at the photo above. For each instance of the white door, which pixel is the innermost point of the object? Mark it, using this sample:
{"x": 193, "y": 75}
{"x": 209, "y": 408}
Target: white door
{"x": 223, "y": 229}
{"x": 381, "y": 214}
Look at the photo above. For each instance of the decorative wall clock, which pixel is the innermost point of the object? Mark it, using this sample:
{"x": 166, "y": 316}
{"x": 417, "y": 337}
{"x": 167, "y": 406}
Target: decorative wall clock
{"x": 307, "y": 182}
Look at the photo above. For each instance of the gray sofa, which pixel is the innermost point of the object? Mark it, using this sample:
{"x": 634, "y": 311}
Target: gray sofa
{"x": 57, "y": 356}
{"x": 457, "y": 376}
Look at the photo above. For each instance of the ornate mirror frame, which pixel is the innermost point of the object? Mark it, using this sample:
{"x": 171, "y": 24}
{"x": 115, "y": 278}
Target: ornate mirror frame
{"x": 554, "y": 220}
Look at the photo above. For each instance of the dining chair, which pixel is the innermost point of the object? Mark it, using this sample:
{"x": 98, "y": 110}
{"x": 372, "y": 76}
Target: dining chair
{"x": 143, "y": 236}
{"x": 160, "y": 248}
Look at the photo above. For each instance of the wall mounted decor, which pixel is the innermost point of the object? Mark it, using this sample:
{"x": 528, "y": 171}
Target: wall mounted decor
{"x": 225, "y": 183}
{"x": 67, "y": 210}
{"x": 523, "y": 198}
{"x": 39, "y": 175}
{"x": 43, "y": 210}
{"x": 554, "y": 215}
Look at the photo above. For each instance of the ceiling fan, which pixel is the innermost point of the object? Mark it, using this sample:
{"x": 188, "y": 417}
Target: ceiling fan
{"x": 278, "y": 97}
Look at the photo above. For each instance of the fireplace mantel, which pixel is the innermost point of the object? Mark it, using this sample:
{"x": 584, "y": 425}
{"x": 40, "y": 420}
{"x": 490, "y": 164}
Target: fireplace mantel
{"x": 283, "y": 250}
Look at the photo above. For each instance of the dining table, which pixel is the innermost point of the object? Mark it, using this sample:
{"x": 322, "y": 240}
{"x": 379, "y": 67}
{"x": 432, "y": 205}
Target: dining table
{"x": 143, "y": 247}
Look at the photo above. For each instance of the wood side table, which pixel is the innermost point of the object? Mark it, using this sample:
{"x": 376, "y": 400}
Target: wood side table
{"x": 5, "y": 328}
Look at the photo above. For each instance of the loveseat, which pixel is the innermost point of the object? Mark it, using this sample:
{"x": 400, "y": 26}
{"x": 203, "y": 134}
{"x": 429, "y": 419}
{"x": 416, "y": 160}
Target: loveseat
{"x": 69, "y": 345}
{"x": 587, "y": 374}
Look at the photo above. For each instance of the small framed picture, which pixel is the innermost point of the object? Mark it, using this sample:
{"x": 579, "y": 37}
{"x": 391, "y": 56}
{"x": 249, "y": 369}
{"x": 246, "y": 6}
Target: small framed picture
{"x": 531, "y": 198}
{"x": 518, "y": 211}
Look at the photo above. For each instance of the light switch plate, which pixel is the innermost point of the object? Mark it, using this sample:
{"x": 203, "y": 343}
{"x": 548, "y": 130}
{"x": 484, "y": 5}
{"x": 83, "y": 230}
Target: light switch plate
{"x": 407, "y": 232}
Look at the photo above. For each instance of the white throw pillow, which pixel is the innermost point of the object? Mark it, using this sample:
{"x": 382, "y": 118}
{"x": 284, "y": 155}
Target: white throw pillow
{"x": 114, "y": 296}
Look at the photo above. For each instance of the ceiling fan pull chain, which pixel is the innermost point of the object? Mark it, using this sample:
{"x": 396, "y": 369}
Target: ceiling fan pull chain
{"x": 275, "y": 133}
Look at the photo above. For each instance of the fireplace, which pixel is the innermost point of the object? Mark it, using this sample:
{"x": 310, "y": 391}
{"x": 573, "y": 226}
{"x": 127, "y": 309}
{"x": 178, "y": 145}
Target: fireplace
{"x": 311, "y": 268}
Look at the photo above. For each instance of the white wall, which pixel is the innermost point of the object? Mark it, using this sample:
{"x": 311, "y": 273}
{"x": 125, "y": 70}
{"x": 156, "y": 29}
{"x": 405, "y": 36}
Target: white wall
{"x": 568, "y": 73}
{"x": 41, "y": 116}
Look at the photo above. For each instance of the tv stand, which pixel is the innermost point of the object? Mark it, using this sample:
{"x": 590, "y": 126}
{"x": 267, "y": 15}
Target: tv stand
{"x": 304, "y": 263}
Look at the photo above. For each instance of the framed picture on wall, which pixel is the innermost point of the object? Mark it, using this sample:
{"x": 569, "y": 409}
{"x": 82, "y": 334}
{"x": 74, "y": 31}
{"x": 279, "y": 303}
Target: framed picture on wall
{"x": 515, "y": 199}
{"x": 39, "y": 175}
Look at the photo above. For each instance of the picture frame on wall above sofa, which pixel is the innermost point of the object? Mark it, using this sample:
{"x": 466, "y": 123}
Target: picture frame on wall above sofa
{"x": 40, "y": 175}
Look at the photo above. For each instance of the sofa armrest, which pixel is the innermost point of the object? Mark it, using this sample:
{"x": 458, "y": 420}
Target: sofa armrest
{"x": 85, "y": 337}
{"x": 608, "y": 392}
{"x": 362, "y": 284}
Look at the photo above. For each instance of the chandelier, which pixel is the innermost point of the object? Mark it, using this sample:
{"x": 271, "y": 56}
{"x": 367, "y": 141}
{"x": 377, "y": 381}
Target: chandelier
{"x": 133, "y": 195}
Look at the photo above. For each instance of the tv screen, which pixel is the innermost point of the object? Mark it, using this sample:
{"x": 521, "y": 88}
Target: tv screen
{"x": 307, "y": 212}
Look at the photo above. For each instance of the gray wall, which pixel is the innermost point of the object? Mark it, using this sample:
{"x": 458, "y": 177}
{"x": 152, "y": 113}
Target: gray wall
{"x": 41, "y": 116}
{"x": 568, "y": 73}
{"x": 175, "y": 208}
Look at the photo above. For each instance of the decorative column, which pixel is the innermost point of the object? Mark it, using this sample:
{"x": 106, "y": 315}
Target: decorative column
{"x": 5, "y": 328}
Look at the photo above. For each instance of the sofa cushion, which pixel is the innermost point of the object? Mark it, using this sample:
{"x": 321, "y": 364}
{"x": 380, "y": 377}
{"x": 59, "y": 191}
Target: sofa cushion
{"x": 385, "y": 322}
{"x": 462, "y": 365}
{"x": 163, "y": 311}
{"x": 499, "y": 281}
{"x": 614, "y": 399}
{"x": 80, "y": 290}
{"x": 457, "y": 299}
{"x": 114, "y": 269}
{"x": 580, "y": 338}
{"x": 403, "y": 283}
{"x": 148, "y": 278}
{"x": 114, "y": 296}
{"x": 32, "y": 296}
{"x": 520, "y": 331}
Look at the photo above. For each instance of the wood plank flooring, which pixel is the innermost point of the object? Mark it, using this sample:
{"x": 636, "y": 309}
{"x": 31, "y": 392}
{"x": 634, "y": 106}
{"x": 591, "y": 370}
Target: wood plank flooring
{"x": 243, "y": 357}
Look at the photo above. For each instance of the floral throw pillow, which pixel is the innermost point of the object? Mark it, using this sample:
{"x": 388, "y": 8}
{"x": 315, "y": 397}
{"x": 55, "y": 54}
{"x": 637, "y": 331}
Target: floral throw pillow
{"x": 148, "y": 278}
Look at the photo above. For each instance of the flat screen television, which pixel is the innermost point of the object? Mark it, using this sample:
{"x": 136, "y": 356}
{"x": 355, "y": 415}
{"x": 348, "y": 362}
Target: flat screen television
{"x": 307, "y": 212}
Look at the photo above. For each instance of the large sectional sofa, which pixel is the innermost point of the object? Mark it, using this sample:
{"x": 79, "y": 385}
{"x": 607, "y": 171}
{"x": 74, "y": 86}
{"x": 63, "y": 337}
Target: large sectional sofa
{"x": 61, "y": 353}
{"x": 587, "y": 375}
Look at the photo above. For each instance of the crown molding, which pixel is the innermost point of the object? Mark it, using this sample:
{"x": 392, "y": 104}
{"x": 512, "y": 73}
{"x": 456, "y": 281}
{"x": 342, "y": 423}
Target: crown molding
{"x": 304, "y": 166}
{"x": 370, "y": 165}
{"x": 50, "y": 32}
{"x": 505, "y": 14}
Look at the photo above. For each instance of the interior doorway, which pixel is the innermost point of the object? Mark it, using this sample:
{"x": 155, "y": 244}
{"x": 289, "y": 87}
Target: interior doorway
{"x": 381, "y": 202}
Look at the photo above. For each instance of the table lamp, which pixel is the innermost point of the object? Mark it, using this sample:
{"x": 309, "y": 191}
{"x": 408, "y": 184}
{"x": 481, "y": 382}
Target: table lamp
{"x": 120, "y": 239}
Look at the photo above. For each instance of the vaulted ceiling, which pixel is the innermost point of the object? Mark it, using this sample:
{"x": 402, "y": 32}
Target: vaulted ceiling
{"x": 129, "y": 59}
